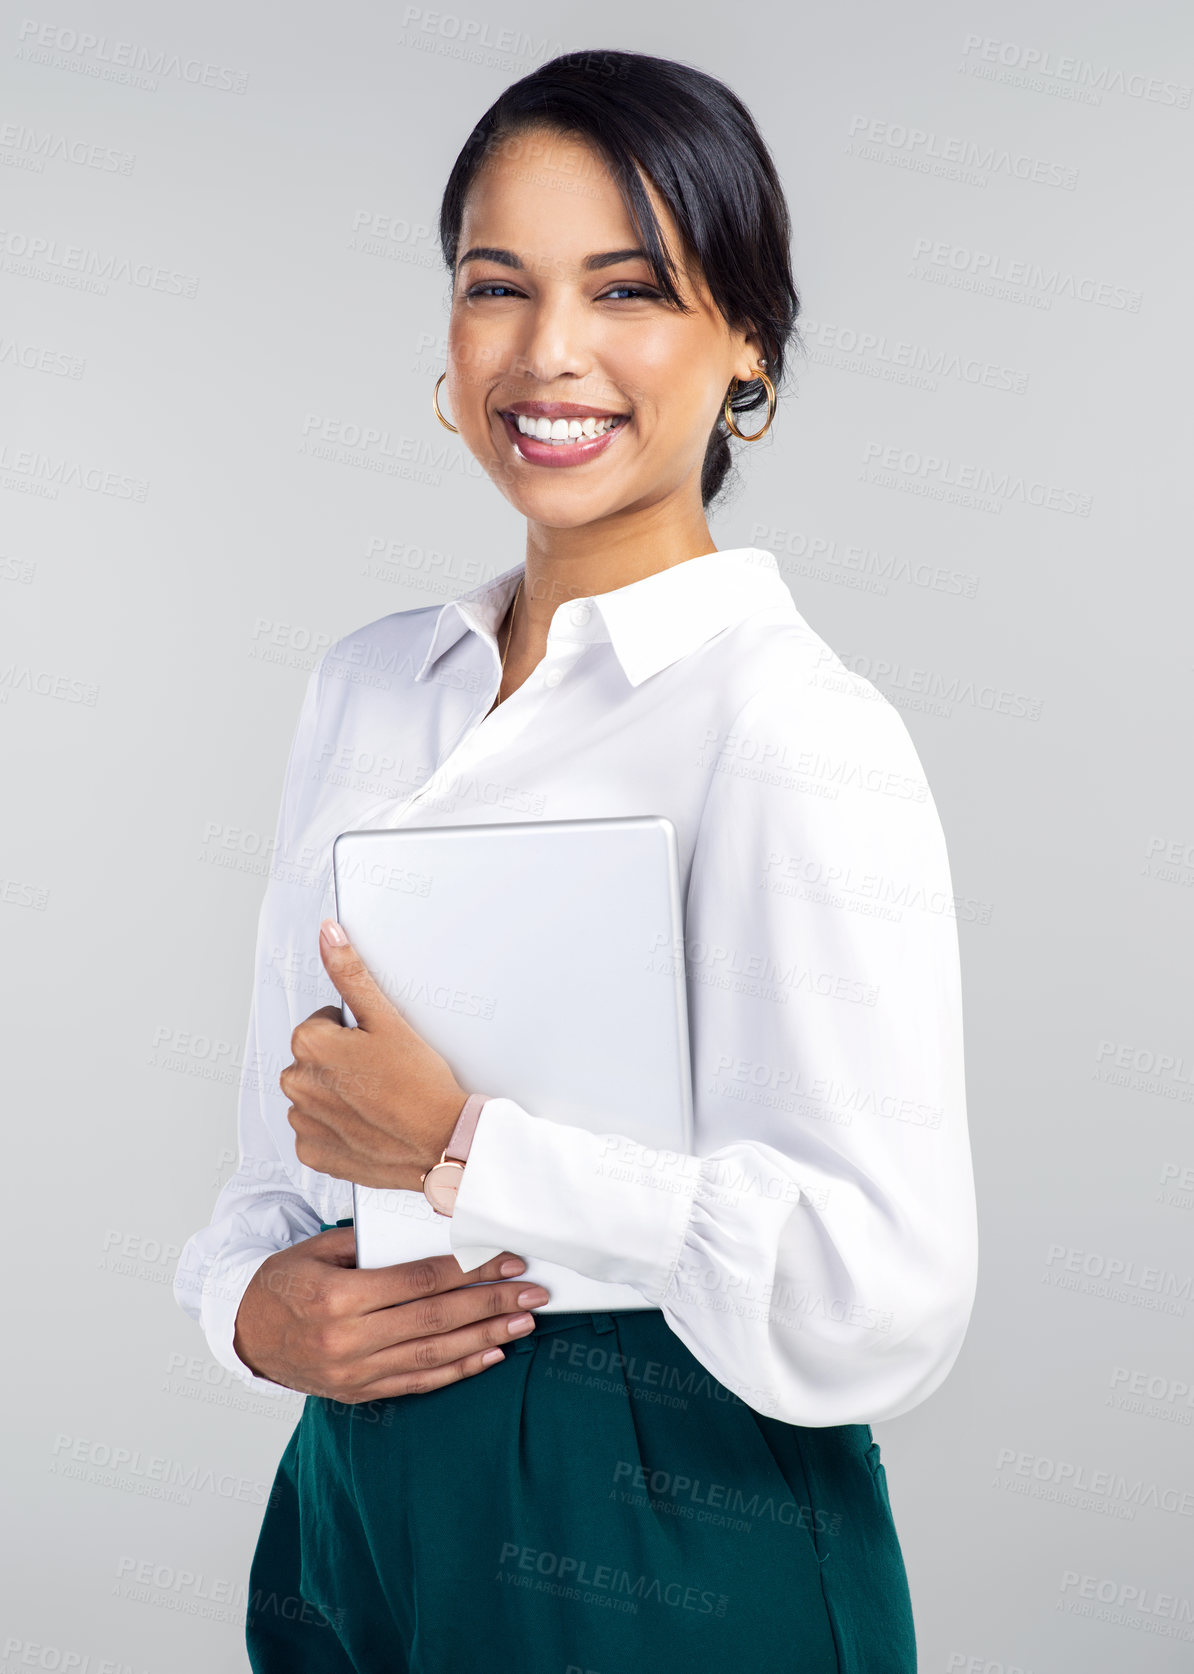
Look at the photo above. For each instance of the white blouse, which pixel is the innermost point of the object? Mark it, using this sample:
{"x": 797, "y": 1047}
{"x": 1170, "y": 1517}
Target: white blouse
{"x": 818, "y": 1251}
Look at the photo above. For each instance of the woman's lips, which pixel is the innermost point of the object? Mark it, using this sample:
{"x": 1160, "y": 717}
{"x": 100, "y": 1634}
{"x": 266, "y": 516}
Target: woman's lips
{"x": 558, "y": 454}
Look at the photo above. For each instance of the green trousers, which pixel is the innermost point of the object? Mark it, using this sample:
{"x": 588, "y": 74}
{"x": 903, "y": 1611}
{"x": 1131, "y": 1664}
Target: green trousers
{"x": 595, "y": 1504}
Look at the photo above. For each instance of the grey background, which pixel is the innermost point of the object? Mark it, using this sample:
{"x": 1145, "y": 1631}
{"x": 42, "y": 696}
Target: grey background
{"x": 1021, "y": 313}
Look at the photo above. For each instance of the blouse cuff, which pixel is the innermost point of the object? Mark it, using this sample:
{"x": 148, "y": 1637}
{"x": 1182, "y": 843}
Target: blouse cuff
{"x": 599, "y": 1204}
{"x": 223, "y": 1289}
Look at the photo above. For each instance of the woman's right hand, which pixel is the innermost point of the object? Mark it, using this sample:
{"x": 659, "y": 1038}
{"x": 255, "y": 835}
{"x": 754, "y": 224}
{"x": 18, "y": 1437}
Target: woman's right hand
{"x": 313, "y": 1321}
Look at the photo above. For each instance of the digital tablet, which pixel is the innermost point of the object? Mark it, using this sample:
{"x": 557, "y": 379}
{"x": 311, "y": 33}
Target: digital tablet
{"x": 545, "y": 960}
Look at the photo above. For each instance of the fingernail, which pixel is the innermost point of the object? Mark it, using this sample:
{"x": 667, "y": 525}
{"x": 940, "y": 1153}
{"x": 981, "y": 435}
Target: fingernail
{"x": 492, "y": 1357}
{"x": 333, "y": 933}
{"x": 529, "y": 1298}
{"x": 511, "y": 1269}
{"x": 520, "y": 1323}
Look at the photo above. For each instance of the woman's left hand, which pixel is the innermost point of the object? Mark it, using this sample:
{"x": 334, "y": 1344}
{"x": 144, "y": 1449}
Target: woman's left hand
{"x": 375, "y": 1104}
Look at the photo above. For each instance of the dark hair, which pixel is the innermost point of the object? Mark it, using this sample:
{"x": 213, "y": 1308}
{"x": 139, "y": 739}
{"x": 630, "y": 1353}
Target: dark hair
{"x": 698, "y": 145}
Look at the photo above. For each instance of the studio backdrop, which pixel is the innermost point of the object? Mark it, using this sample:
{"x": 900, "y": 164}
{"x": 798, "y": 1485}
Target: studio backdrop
{"x": 224, "y": 311}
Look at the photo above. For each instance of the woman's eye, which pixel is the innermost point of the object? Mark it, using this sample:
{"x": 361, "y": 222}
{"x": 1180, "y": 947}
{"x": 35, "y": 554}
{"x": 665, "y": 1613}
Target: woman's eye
{"x": 635, "y": 290}
{"x": 497, "y": 288}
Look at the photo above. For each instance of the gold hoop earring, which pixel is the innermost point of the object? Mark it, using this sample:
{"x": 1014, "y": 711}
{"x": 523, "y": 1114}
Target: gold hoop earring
{"x": 435, "y": 404}
{"x": 772, "y": 403}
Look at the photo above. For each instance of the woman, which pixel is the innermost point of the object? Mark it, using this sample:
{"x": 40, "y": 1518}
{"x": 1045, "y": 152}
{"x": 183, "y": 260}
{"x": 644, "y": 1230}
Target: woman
{"x": 690, "y": 1483}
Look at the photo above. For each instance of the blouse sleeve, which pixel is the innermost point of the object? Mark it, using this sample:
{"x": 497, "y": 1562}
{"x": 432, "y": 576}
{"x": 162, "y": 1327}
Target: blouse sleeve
{"x": 260, "y": 1209}
{"x": 820, "y": 1258}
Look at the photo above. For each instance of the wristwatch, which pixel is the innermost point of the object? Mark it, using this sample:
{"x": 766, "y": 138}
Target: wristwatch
{"x": 441, "y": 1182}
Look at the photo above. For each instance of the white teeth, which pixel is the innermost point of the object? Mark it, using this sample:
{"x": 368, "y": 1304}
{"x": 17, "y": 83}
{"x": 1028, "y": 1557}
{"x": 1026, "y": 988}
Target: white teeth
{"x": 562, "y": 431}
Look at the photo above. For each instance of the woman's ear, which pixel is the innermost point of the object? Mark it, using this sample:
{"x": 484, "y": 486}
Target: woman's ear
{"x": 749, "y": 352}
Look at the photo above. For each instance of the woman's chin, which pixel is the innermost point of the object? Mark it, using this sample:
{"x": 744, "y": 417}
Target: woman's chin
{"x": 562, "y": 505}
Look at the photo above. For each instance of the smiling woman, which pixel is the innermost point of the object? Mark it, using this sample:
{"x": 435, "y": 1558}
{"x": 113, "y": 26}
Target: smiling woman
{"x": 481, "y": 1481}
{"x": 657, "y": 278}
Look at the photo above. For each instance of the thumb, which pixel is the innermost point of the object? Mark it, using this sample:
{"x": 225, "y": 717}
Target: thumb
{"x": 352, "y": 978}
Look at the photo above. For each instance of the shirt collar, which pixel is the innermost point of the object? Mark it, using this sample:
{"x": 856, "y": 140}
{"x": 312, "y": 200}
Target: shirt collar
{"x": 651, "y": 623}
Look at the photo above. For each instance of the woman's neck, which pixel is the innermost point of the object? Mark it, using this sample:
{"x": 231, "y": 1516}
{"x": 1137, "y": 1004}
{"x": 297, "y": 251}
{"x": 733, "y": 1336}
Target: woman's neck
{"x": 564, "y": 564}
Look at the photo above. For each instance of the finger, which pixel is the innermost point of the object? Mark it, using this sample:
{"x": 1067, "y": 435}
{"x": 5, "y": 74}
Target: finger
{"x": 422, "y": 1383}
{"x": 431, "y": 1362}
{"x": 333, "y": 1014}
{"x": 383, "y": 1287}
{"x": 354, "y": 982}
{"x": 444, "y": 1314}
{"x": 327, "y": 1020}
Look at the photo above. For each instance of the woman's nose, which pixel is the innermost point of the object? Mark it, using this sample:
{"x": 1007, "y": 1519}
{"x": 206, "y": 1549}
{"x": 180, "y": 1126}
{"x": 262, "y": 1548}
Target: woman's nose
{"x": 554, "y": 344}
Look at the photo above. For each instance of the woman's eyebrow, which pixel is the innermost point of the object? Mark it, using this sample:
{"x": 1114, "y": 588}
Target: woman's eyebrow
{"x": 507, "y": 258}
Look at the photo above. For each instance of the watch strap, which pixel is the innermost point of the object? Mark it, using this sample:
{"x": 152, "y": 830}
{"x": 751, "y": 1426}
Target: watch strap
{"x": 457, "y": 1148}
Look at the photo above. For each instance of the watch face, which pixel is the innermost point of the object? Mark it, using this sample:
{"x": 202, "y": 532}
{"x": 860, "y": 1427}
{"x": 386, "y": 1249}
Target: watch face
{"x": 442, "y": 1184}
